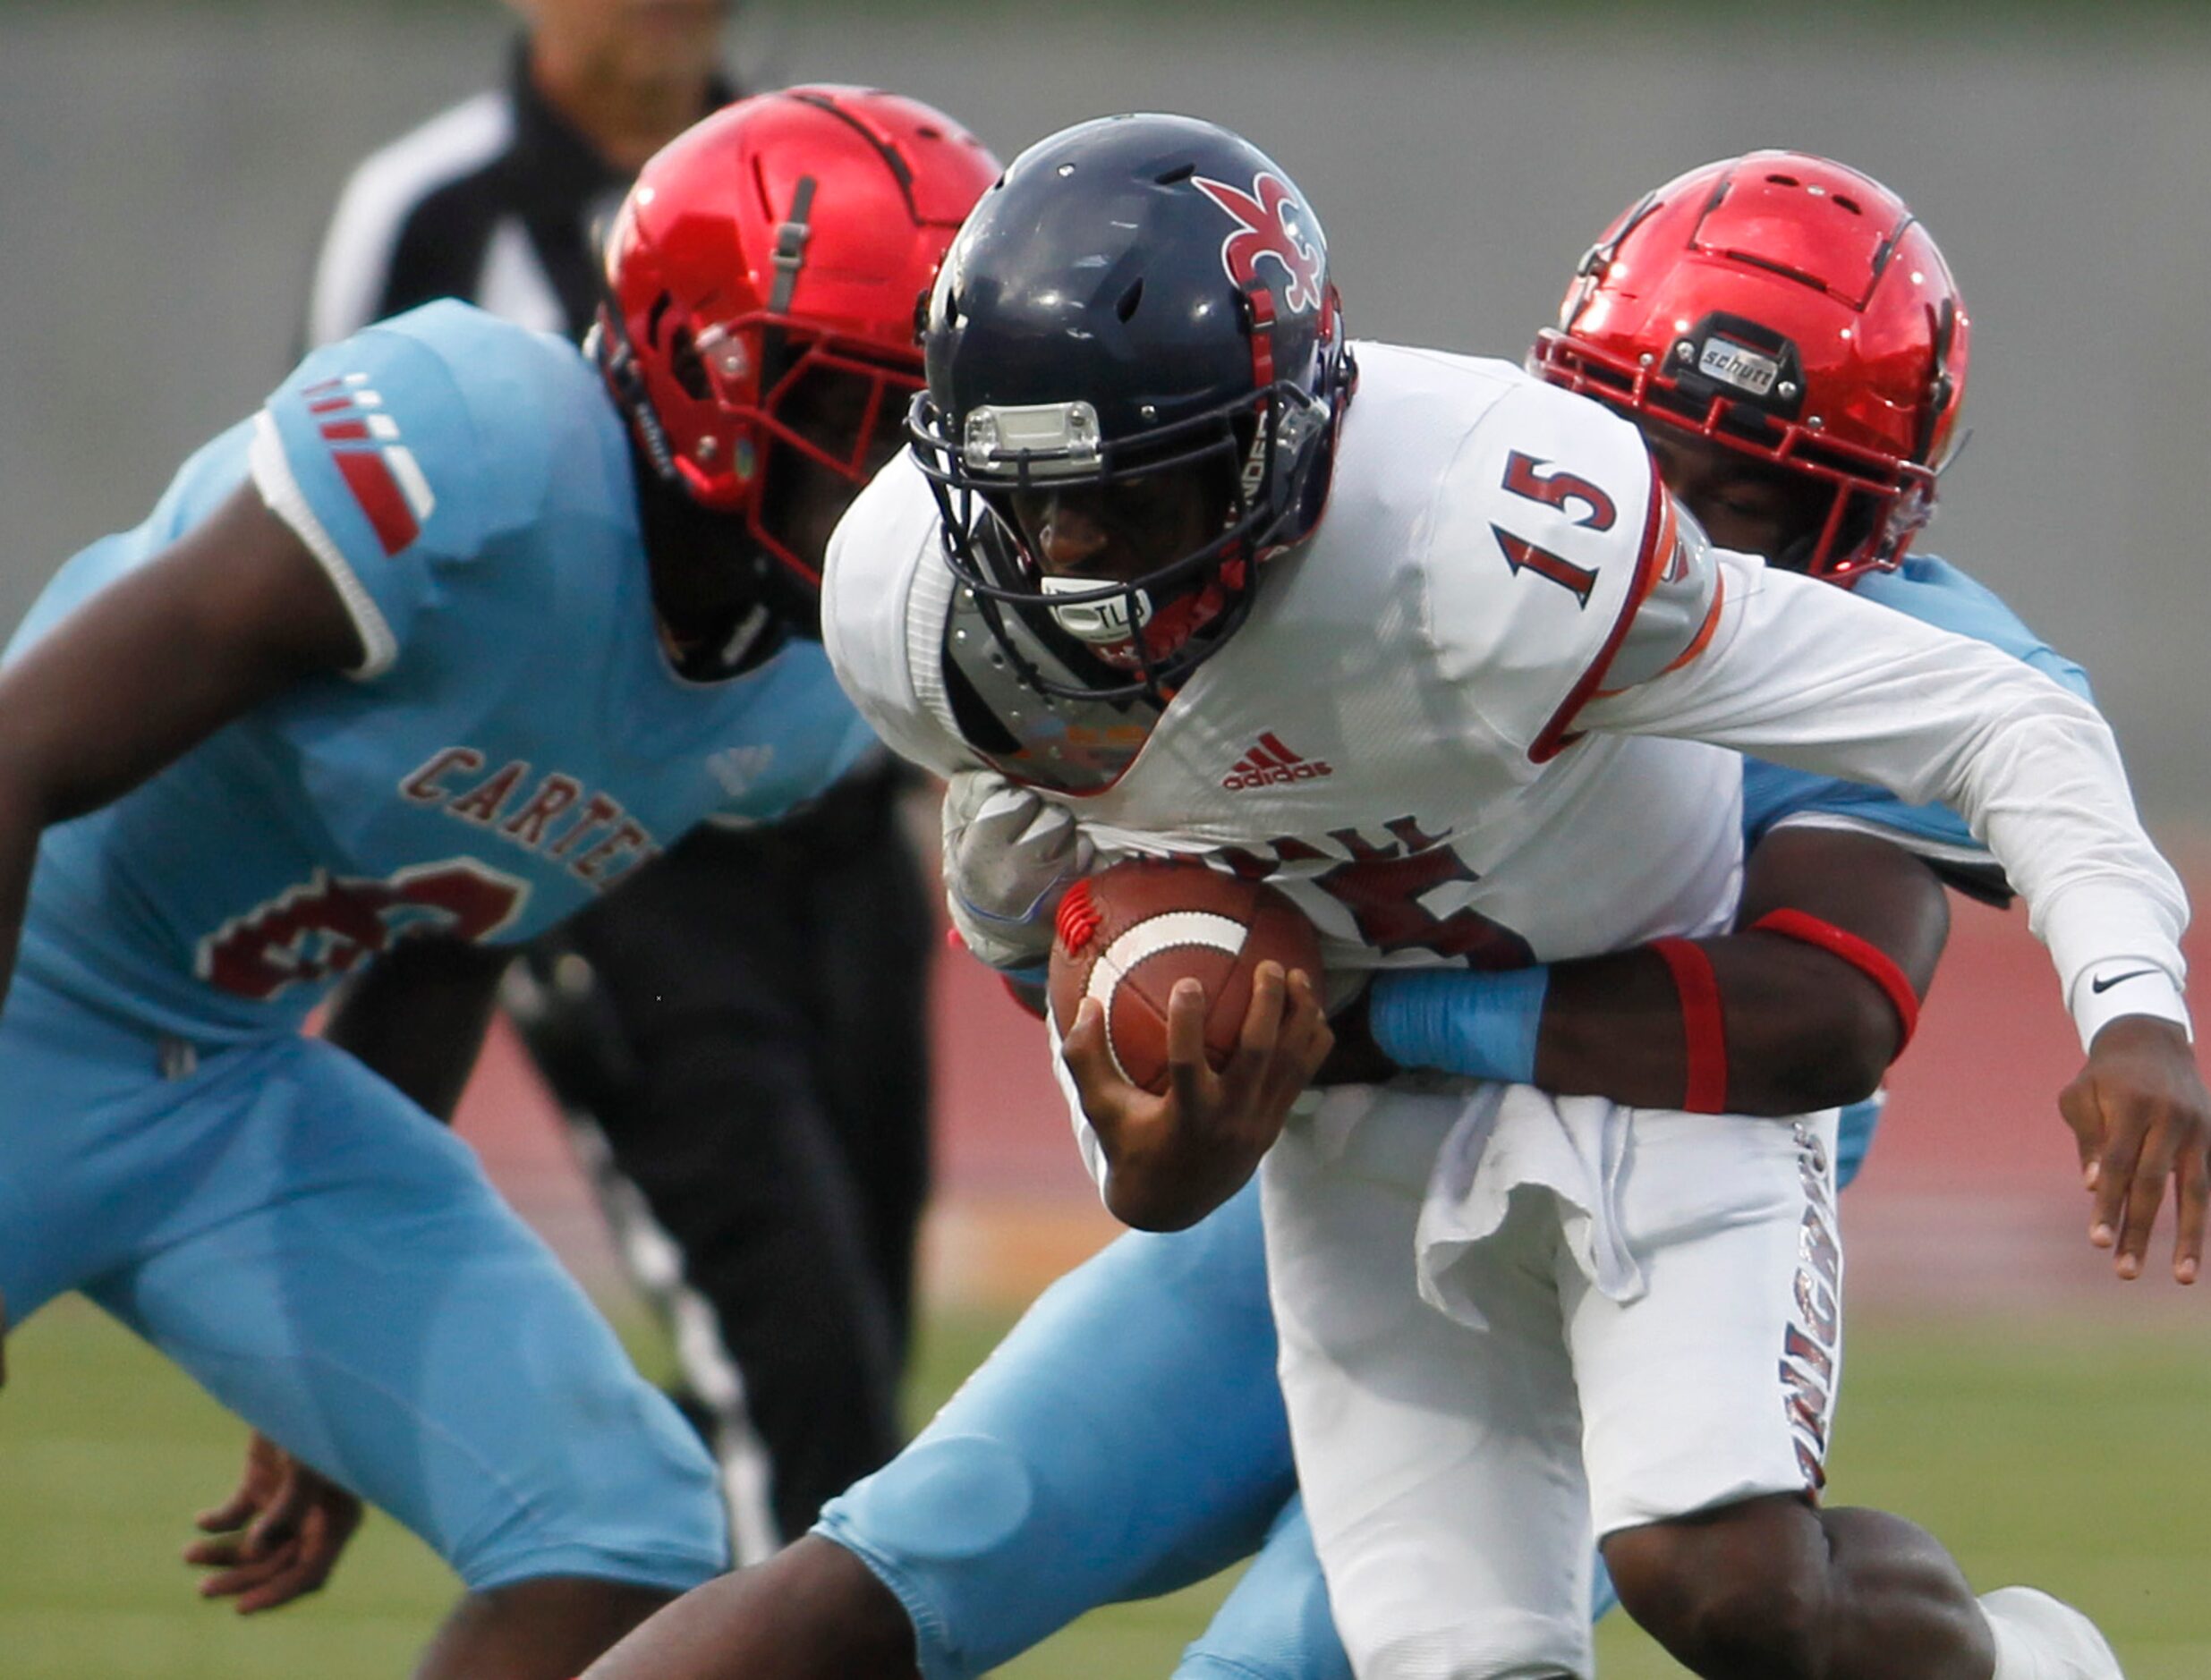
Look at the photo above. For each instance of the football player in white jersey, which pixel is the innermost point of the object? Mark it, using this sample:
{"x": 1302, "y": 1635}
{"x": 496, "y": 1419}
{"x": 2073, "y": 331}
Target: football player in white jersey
{"x": 1152, "y": 532}
{"x": 1125, "y": 1492}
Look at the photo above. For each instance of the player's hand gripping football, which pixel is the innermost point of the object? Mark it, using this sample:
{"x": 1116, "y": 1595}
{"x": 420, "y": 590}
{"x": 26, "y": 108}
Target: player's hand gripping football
{"x": 1176, "y": 1158}
{"x": 1010, "y": 856}
{"x": 2140, "y": 1115}
{"x": 279, "y": 1537}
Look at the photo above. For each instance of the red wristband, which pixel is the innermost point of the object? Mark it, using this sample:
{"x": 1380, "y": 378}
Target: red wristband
{"x": 1862, "y": 954}
{"x": 1701, "y": 1029}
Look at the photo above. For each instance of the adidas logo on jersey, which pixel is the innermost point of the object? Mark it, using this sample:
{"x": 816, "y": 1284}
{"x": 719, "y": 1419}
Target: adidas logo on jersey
{"x": 1269, "y": 764}
{"x": 738, "y": 768}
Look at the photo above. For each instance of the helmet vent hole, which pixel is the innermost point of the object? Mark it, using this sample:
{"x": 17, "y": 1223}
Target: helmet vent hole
{"x": 1848, "y": 204}
{"x": 690, "y": 370}
{"x": 1176, "y": 176}
{"x": 928, "y": 131}
{"x": 1784, "y": 181}
{"x": 1125, "y": 306}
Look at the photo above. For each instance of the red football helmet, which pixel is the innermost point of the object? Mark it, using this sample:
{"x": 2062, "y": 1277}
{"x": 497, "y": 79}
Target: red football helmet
{"x": 770, "y": 261}
{"x": 1791, "y": 308}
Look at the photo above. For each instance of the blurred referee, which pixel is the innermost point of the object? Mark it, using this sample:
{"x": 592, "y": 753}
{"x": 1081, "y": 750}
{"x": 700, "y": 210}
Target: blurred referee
{"x": 738, "y": 1037}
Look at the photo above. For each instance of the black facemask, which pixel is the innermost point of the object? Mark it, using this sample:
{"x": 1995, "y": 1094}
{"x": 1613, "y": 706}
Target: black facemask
{"x": 728, "y": 603}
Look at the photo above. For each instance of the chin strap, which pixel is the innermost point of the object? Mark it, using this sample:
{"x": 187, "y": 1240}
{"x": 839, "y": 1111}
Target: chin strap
{"x": 750, "y": 641}
{"x": 678, "y": 533}
{"x": 607, "y": 343}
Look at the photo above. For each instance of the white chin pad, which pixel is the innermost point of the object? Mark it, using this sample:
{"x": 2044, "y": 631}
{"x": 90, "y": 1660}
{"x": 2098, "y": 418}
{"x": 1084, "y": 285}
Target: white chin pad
{"x": 1102, "y": 622}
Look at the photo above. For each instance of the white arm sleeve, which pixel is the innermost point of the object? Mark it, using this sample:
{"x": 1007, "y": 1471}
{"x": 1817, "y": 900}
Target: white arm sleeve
{"x": 1095, "y": 1161}
{"x": 883, "y": 597}
{"x": 1805, "y": 674}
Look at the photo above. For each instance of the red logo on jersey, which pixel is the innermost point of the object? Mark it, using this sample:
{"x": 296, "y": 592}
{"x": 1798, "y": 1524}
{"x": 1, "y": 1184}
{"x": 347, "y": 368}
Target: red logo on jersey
{"x": 380, "y": 470}
{"x": 1270, "y": 224}
{"x": 553, "y": 815}
{"x": 329, "y": 923}
{"x": 1390, "y": 887}
{"x": 1271, "y": 764}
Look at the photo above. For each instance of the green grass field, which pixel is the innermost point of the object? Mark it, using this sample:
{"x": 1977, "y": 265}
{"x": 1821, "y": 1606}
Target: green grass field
{"x": 2069, "y": 1453}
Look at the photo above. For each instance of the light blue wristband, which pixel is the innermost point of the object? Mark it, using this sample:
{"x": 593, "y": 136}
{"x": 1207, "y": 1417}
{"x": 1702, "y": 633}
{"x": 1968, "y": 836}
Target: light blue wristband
{"x": 1478, "y": 1025}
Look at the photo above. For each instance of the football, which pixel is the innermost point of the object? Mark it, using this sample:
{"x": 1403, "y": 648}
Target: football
{"x": 1127, "y": 934}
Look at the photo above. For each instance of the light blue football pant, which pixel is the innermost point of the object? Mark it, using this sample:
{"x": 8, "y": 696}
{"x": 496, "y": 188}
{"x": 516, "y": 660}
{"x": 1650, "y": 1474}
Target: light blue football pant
{"x": 331, "y": 1264}
{"x": 1126, "y": 1439}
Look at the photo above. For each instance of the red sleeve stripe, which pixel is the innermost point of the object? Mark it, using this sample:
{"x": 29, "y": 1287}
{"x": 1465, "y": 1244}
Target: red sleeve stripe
{"x": 1703, "y": 1031}
{"x": 1703, "y": 637}
{"x": 380, "y": 497}
{"x": 1697, "y": 642}
{"x": 1862, "y": 954}
{"x": 1658, "y": 538}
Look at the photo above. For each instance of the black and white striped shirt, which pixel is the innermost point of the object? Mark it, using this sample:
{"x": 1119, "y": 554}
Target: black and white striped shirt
{"x": 498, "y": 200}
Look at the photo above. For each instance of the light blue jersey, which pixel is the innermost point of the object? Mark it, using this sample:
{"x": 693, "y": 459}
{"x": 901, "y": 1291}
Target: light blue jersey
{"x": 1937, "y": 593}
{"x": 1130, "y": 1425}
{"x": 320, "y": 1254}
{"x": 514, "y": 743}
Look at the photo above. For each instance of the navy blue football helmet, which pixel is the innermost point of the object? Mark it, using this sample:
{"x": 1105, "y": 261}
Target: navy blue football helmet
{"x": 1141, "y": 307}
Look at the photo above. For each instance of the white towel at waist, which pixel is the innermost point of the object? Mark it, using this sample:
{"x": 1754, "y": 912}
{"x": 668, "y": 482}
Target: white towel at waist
{"x": 1463, "y": 1146}
{"x": 1575, "y": 1149}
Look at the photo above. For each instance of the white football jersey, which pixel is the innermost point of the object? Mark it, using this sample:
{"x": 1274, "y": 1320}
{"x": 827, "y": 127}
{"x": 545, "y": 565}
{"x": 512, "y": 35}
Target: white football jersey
{"x": 1391, "y": 736}
{"x": 1384, "y": 737}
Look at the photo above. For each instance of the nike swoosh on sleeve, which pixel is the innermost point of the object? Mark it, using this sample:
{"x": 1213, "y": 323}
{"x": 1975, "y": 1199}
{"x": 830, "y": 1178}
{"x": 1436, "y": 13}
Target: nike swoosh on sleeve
{"x": 2099, "y": 987}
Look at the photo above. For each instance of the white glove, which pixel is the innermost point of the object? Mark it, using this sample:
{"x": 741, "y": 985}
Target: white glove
{"x": 1009, "y": 854}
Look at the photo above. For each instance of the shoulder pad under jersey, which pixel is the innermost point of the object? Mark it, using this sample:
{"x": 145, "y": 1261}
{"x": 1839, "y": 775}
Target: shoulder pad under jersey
{"x": 1547, "y": 531}
{"x": 1676, "y": 611}
{"x": 415, "y": 444}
